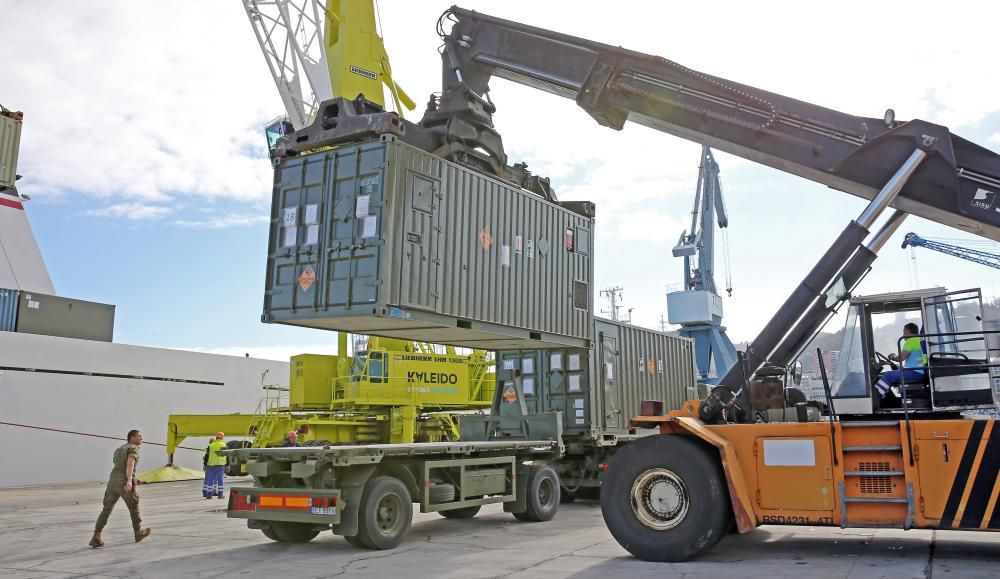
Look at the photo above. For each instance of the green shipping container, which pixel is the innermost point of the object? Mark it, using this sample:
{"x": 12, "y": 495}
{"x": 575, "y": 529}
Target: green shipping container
{"x": 10, "y": 142}
{"x": 64, "y": 317}
{"x": 385, "y": 239}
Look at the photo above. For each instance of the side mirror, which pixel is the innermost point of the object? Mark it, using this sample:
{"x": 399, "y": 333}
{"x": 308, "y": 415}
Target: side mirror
{"x": 797, "y": 373}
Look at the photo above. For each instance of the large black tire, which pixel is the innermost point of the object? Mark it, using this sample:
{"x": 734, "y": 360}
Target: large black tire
{"x": 463, "y": 513}
{"x": 270, "y": 534}
{"x": 385, "y": 513}
{"x": 543, "y": 495}
{"x": 664, "y": 498}
{"x": 355, "y": 542}
{"x": 294, "y": 532}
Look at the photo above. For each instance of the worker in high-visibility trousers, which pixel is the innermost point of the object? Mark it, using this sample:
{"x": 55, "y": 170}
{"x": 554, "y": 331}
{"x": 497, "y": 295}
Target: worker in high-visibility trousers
{"x": 215, "y": 468}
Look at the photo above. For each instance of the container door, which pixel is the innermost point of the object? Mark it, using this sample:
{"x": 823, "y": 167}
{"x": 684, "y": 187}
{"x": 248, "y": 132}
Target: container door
{"x": 609, "y": 380}
{"x": 420, "y": 261}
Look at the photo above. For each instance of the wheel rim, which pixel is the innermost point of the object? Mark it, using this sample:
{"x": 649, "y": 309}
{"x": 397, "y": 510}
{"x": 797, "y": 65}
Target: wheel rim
{"x": 660, "y": 499}
{"x": 389, "y": 514}
{"x": 546, "y": 492}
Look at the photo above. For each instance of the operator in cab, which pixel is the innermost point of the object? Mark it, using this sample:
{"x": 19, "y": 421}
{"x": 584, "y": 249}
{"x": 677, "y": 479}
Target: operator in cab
{"x": 912, "y": 361}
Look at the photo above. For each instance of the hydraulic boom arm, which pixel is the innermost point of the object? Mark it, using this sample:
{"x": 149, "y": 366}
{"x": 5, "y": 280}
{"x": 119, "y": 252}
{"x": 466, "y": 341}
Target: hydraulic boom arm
{"x": 958, "y": 184}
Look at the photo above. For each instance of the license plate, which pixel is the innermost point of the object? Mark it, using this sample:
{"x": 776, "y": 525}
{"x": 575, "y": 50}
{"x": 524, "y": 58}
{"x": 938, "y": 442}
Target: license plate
{"x": 324, "y": 510}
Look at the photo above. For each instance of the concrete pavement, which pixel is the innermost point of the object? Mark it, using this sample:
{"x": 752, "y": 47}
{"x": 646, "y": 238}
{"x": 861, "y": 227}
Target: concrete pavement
{"x": 45, "y": 530}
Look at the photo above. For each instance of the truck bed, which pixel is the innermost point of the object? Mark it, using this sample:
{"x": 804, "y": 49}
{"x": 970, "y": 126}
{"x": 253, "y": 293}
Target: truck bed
{"x": 369, "y": 453}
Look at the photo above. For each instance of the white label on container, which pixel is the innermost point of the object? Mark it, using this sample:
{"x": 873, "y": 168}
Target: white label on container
{"x": 578, "y": 403}
{"x": 518, "y": 244}
{"x": 789, "y": 452}
{"x": 555, "y": 361}
{"x": 312, "y": 214}
{"x": 531, "y": 249}
{"x": 579, "y": 413}
{"x": 361, "y": 207}
{"x": 528, "y": 384}
{"x": 659, "y": 366}
{"x": 33, "y": 305}
{"x": 574, "y": 383}
{"x": 312, "y": 234}
{"x": 574, "y": 361}
{"x": 528, "y": 365}
{"x": 370, "y": 226}
{"x": 291, "y": 236}
{"x": 290, "y": 215}
{"x": 579, "y": 421}
{"x": 508, "y": 364}
{"x": 609, "y": 370}
{"x": 505, "y": 256}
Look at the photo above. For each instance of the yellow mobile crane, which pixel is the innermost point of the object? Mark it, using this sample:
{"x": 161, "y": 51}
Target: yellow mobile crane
{"x": 393, "y": 391}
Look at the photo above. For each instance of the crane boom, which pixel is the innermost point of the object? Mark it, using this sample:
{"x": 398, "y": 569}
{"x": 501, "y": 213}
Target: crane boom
{"x": 974, "y": 255}
{"x": 957, "y": 185}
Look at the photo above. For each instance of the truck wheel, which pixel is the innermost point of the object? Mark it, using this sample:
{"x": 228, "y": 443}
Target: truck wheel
{"x": 462, "y": 513}
{"x": 385, "y": 513}
{"x": 355, "y": 542}
{"x": 294, "y": 532}
{"x": 543, "y": 495}
{"x": 270, "y": 534}
{"x": 664, "y": 498}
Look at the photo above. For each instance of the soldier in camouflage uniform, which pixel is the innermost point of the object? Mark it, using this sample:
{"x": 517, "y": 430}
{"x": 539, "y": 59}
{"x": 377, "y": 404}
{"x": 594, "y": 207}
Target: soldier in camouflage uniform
{"x": 121, "y": 485}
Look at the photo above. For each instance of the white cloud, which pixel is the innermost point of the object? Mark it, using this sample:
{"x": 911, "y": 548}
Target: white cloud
{"x": 995, "y": 138}
{"x": 223, "y": 222}
{"x": 133, "y": 211}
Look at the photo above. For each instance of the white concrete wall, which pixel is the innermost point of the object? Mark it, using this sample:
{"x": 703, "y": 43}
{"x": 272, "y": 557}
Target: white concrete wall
{"x": 109, "y": 406}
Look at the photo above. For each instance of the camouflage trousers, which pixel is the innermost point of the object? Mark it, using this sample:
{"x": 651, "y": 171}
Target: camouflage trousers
{"x": 112, "y": 493}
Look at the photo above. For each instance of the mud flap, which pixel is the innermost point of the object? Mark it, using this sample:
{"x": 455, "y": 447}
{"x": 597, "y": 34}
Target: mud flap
{"x": 520, "y": 502}
{"x": 352, "y": 486}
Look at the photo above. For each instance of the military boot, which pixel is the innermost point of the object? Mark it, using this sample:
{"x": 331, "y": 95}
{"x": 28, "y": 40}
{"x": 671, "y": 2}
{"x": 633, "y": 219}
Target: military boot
{"x": 96, "y": 541}
{"x": 142, "y": 533}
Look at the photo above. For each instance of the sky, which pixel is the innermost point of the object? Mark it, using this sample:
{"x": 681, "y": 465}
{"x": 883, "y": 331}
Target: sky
{"x": 144, "y": 155}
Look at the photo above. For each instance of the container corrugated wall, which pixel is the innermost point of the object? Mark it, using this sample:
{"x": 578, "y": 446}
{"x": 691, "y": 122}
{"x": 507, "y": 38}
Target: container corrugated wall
{"x": 599, "y": 390}
{"x": 408, "y": 245}
{"x": 8, "y": 310}
{"x": 655, "y": 366}
{"x": 10, "y": 141}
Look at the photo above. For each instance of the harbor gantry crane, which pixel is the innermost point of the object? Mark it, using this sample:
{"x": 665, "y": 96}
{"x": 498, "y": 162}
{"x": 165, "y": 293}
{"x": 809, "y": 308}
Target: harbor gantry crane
{"x": 974, "y": 255}
{"x": 698, "y": 307}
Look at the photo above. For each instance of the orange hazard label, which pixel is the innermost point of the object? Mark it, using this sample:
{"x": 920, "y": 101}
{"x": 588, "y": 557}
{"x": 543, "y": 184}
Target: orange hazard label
{"x": 510, "y": 395}
{"x": 307, "y": 278}
{"x": 651, "y": 366}
{"x": 485, "y": 239}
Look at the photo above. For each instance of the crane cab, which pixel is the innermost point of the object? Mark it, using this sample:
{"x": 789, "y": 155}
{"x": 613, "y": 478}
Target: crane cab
{"x": 952, "y": 371}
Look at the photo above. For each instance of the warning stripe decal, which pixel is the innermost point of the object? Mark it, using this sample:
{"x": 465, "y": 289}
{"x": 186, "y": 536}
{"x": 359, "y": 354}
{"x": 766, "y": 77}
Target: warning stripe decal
{"x": 962, "y": 475}
{"x": 982, "y": 487}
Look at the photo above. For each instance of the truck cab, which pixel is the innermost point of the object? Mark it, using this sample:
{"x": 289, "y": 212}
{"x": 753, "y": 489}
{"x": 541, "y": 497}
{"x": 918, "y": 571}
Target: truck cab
{"x": 953, "y": 374}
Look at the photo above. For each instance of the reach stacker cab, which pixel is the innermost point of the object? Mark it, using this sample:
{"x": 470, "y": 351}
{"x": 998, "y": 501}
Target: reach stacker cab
{"x": 954, "y": 375}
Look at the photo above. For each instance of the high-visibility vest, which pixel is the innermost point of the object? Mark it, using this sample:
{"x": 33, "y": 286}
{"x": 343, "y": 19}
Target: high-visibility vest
{"x": 214, "y": 458}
